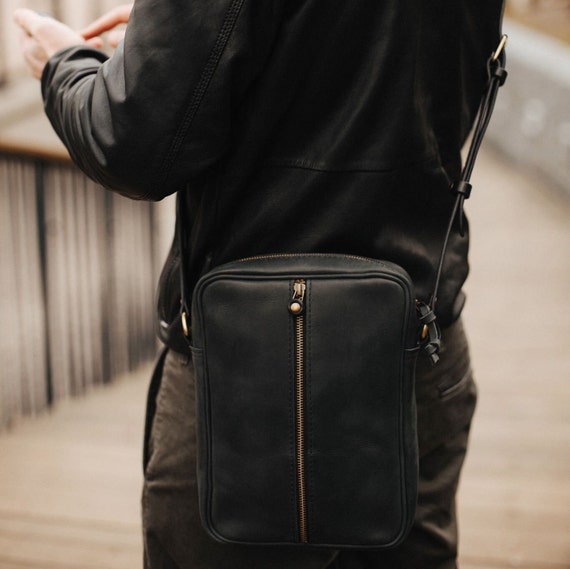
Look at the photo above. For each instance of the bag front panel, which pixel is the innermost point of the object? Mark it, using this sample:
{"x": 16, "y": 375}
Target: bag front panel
{"x": 308, "y": 419}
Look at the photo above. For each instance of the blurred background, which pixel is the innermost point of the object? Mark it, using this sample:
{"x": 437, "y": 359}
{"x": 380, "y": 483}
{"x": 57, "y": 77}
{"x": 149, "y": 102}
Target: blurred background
{"x": 78, "y": 270}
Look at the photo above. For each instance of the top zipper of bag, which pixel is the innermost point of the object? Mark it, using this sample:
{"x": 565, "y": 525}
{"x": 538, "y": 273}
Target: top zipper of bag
{"x": 325, "y": 255}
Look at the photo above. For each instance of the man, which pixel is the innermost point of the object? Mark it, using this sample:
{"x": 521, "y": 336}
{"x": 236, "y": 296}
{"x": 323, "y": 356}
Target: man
{"x": 292, "y": 126}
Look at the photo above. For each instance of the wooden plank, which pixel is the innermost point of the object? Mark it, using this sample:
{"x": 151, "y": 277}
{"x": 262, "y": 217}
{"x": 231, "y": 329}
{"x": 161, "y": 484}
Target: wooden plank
{"x": 69, "y": 553}
{"x": 514, "y": 496}
{"x": 512, "y": 536}
{"x": 469, "y": 562}
{"x": 81, "y": 461}
{"x": 21, "y": 529}
{"x": 70, "y": 483}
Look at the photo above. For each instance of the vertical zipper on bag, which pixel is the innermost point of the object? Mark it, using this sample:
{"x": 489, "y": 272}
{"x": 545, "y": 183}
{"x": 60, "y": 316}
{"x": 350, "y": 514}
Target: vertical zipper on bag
{"x": 297, "y": 309}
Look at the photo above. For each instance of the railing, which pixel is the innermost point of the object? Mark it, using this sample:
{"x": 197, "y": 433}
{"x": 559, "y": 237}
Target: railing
{"x": 78, "y": 268}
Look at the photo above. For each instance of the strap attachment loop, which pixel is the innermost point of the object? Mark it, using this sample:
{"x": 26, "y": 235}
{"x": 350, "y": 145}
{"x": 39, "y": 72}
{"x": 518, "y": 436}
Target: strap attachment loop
{"x": 462, "y": 188}
{"x": 430, "y": 337}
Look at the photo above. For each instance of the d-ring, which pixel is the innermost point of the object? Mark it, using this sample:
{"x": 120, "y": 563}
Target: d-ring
{"x": 495, "y": 55}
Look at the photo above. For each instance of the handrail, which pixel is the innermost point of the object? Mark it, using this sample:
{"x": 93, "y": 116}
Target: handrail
{"x": 27, "y": 132}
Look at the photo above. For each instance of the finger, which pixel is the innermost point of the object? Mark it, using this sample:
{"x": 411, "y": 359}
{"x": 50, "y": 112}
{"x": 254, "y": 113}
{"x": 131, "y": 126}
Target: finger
{"x": 49, "y": 33}
{"x": 108, "y": 21}
{"x": 28, "y": 20}
{"x": 95, "y": 42}
{"x": 116, "y": 37}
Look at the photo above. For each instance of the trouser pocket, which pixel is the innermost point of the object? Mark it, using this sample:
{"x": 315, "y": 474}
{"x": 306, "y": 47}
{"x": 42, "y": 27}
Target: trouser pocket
{"x": 448, "y": 390}
{"x": 446, "y": 394}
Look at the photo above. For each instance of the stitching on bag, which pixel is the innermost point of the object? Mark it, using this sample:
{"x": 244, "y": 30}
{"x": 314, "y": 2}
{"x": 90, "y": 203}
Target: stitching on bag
{"x": 309, "y": 394}
{"x": 402, "y": 434}
{"x": 207, "y": 404}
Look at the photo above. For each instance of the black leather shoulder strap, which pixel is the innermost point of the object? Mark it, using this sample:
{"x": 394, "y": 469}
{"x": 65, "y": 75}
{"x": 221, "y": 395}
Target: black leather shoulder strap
{"x": 430, "y": 340}
{"x": 497, "y": 75}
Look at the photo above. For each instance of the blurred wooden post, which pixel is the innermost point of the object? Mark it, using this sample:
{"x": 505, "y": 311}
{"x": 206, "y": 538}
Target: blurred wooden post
{"x": 77, "y": 280}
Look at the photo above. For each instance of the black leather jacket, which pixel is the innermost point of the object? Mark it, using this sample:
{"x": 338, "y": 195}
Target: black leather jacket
{"x": 293, "y": 125}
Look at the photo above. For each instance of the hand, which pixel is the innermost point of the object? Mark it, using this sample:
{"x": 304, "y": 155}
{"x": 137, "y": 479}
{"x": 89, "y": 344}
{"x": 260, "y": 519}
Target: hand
{"x": 41, "y": 37}
{"x": 113, "y": 18}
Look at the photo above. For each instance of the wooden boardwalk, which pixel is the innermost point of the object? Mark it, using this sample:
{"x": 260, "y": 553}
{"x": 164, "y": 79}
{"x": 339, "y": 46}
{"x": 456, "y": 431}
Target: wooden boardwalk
{"x": 515, "y": 492}
{"x": 70, "y": 480}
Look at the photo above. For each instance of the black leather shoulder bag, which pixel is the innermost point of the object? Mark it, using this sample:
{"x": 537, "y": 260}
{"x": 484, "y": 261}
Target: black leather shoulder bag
{"x": 305, "y": 389}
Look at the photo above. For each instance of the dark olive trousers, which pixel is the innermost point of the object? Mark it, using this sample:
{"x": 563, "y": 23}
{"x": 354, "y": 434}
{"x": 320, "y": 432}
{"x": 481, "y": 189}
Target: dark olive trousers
{"x": 173, "y": 535}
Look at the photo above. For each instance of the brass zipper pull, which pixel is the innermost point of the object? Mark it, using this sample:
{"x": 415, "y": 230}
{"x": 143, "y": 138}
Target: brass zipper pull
{"x": 296, "y": 304}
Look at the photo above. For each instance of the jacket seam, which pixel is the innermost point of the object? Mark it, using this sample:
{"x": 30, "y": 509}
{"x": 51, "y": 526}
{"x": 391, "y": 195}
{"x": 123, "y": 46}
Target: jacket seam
{"x": 315, "y": 167}
{"x": 201, "y": 88}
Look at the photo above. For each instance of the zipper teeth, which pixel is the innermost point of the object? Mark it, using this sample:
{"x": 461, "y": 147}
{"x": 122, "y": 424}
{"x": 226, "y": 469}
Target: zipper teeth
{"x": 286, "y": 255}
{"x": 300, "y": 380}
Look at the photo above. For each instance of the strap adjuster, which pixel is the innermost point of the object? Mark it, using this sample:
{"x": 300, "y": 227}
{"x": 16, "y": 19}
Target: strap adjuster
{"x": 462, "y": 188}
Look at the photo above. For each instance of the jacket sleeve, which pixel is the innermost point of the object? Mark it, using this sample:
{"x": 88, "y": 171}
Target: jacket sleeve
{"x": 159, "y": 111}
